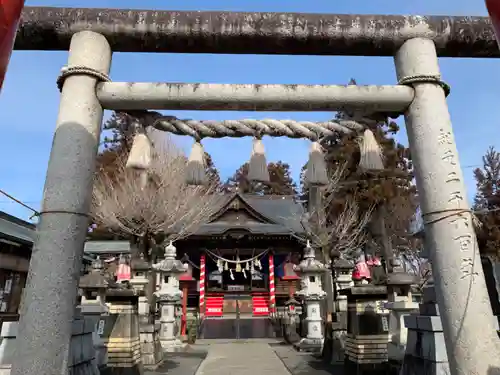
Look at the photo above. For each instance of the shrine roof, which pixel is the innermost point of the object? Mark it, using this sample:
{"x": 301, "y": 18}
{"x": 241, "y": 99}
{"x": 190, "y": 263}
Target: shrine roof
{"x": 258, "y": 215}
{"x": 266, "y": 214}
{"x": 20, "y": 231}
{"x": 15, "y": 229}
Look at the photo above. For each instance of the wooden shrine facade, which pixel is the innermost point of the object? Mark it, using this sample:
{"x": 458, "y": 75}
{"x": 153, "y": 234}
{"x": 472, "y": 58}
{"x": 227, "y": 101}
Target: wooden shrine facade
{"x": 241, "y": 261}
{"x": 243, "y": 257}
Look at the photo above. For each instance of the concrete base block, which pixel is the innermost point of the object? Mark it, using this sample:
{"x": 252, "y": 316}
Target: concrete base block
{"x": 172, "y": 346}
{"x": 417, "y": 366}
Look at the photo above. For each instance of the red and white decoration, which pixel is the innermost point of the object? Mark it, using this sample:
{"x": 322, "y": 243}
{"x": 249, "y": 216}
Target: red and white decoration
{"x": 202, "y": 284}
{"x": 272, "y": 289}
{"x": 260, "y": 303}
{"x": 215, "y": 305}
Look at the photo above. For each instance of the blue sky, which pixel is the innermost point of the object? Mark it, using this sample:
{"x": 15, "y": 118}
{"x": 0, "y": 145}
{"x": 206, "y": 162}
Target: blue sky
{"x": 29, "y": 101}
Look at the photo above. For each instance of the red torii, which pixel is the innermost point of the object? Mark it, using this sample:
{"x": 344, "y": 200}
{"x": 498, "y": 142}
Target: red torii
{"x": 493, "y": 7}
{"x": 10, "y": 13}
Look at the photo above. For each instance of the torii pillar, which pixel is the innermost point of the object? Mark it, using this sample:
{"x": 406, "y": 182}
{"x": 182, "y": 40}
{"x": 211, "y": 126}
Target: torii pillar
{"x": 468, "y": 324}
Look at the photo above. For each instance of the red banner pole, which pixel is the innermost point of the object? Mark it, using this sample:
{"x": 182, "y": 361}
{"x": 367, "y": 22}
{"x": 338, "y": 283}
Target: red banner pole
{"x": 493, "y": 7}
{"x": 10, "y": 13}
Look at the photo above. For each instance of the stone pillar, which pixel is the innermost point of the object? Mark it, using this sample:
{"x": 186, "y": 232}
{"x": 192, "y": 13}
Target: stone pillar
{"x": 425, "y": 348}
{"x": 367, "y": 330}
{"x": 456, "y": 265}
{"x": 311, "y": 293}
{"x": 169, "y": 296}
{"x": 94, "y": 313}
{"x": 51, "y": 290}
{"x": 400, "y": 304}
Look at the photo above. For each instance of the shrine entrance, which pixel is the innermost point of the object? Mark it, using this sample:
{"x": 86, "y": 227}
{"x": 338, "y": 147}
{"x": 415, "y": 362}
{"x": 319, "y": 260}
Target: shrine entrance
{"x": 238, "y": 321}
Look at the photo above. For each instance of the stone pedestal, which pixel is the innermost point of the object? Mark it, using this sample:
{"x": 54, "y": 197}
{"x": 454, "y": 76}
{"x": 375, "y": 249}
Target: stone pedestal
{"x": 81, "y": 361}
{"x": 94, "y": 312}
{"x": 367, "y": 330}
{"x": 168, "y": 338}
{"x": 311, "y": 293}
{"x": 120, "y": 334}
{"x": 7, "y": 346}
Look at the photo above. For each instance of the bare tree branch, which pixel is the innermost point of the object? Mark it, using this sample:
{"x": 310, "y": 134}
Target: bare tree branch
{"x": 158, "y": 201}
{"x": 343, "y": 231}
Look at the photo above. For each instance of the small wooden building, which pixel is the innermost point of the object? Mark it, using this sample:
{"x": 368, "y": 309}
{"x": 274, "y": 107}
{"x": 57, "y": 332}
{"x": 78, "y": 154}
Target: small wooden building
{"x": 16, "y": 243}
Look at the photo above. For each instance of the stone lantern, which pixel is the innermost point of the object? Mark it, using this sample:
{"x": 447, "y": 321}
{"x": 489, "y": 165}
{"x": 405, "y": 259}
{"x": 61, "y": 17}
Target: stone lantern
{"x": 169, "y": 296}
{"x": 342, "y": 269}
{"x": 139, "y": 281}
{"x": 94, "y": 286}
{"x": 400, "y": 304}
{"x": 311, "y": 293}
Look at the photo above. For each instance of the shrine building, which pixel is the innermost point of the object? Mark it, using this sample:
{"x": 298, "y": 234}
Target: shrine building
{"x": 240, "y": 263}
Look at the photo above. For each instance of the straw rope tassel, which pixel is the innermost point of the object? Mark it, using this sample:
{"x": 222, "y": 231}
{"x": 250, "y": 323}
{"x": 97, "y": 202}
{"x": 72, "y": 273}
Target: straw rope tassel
{"x": 257, "y": 167}
{"x": 316, "y": 173}
{"x": 195, "y": 170}
{"x": 140, "y": 153}
{"x": 372, "y": 157}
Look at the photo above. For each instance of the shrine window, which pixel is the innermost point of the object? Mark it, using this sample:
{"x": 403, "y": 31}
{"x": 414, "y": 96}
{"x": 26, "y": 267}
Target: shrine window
{"x": 312, "y": 279}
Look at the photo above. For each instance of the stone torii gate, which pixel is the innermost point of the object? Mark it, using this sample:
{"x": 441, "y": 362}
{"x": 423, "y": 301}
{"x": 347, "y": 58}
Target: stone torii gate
{"x": 91, "y": 35}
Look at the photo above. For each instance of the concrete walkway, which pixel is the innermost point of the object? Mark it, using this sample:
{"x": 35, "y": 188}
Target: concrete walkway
{"x": 241, "y": 358}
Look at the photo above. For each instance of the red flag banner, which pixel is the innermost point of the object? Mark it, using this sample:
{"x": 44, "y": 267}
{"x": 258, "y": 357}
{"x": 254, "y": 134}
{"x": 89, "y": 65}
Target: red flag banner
{"x": 10, "y": 13}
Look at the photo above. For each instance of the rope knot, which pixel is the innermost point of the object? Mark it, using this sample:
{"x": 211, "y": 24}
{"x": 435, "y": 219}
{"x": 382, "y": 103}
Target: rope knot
{"x": 424, "y": 78}
{"x": 67, "y": 71}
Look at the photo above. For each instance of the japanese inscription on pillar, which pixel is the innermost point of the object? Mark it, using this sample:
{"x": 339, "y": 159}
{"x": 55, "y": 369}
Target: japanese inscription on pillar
{"x": 460, "y": 221}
